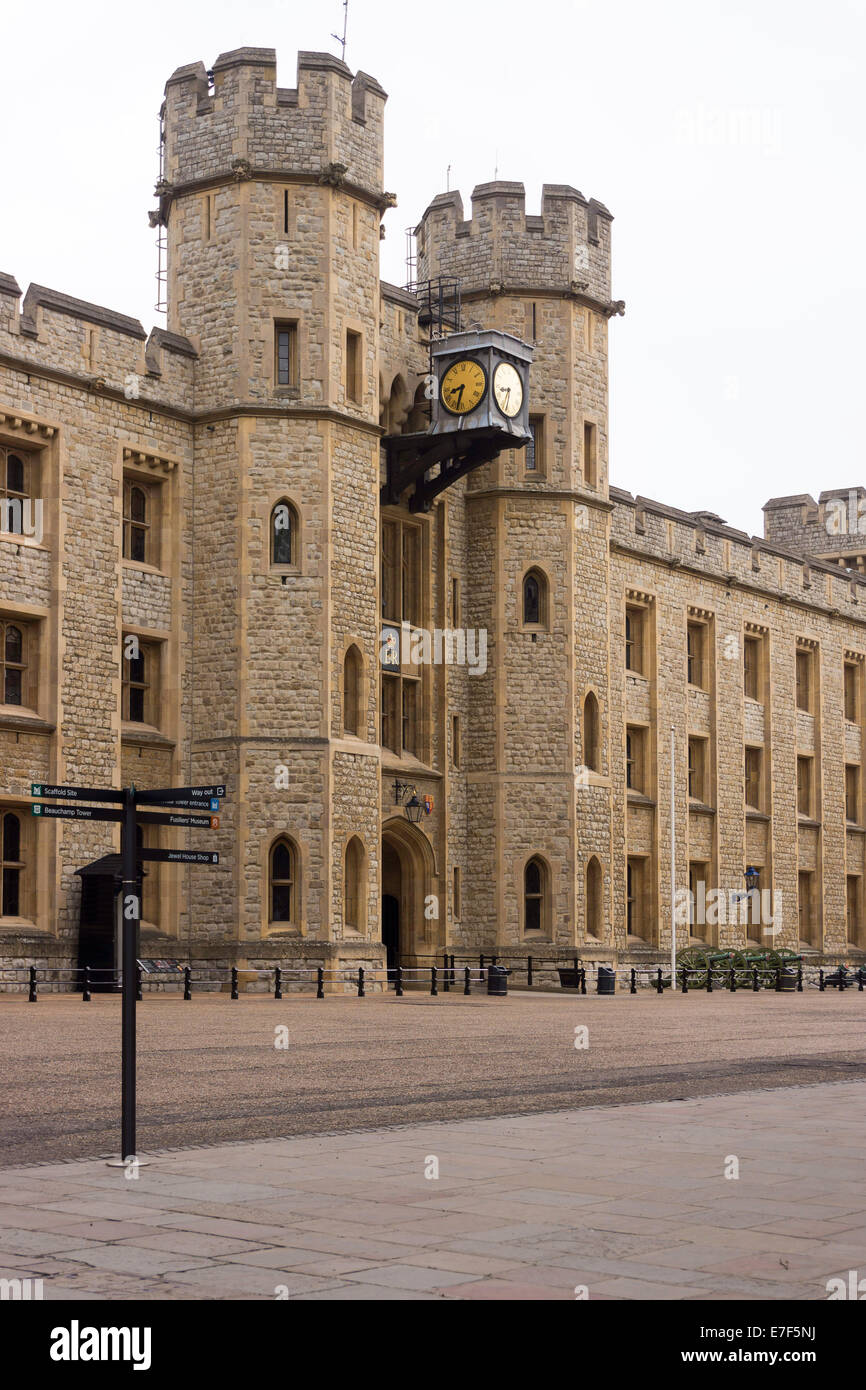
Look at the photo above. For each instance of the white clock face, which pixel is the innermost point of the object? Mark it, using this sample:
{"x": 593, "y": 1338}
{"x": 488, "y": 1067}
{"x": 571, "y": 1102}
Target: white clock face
{"x": 508, "y": 389}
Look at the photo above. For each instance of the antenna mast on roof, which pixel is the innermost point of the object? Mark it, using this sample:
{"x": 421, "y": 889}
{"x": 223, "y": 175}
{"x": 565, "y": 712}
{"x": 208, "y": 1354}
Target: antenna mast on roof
{"x": 342, "y": 40}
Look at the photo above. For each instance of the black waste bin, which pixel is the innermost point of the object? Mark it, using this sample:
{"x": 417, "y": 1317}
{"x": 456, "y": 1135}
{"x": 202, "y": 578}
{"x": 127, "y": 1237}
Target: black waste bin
{"x": 497, "y": 979}
{"x": 787, "y": 981}
{"x": 606, "y": 979}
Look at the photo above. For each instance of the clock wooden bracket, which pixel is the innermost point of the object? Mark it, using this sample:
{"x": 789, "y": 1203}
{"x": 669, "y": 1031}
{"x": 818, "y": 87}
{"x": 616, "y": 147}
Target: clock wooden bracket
{"x": 429, "y": 463}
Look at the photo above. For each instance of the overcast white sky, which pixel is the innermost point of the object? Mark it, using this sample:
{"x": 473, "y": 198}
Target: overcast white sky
{"x": 726, "y": 136}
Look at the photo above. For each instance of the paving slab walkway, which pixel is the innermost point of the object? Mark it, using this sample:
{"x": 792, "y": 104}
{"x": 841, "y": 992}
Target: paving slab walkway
{"x": 622, "y": 1202}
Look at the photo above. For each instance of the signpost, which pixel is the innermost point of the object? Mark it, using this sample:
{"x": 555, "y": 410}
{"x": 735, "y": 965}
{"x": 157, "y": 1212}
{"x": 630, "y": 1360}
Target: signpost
{"x": 204, "y": 800}
{"x": 41, "y": 808}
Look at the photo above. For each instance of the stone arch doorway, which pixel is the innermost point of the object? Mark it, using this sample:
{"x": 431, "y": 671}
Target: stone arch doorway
{"x": 408, "y": 882}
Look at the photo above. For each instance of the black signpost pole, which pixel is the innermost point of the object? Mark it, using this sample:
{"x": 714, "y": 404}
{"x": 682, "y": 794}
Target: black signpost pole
{"x": 131, "y": 910}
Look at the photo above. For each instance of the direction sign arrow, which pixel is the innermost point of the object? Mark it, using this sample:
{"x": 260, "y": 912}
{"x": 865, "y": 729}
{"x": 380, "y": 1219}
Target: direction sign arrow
{"x": 179, "y": 856}
{"x": 179, "y": 819}
{"x": 75, "y": 793}
{"x": 205, "y": 803}
{"x": 171, "y": 794}
{"x": 75, "y": 812}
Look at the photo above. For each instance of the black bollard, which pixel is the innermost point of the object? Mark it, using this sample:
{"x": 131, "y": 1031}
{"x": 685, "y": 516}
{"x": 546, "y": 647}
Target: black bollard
{"x": 755, "y": 985}
{"x": 31, "y": 998}
{"x": 320, "y": 982}
{"x": 466, "y": 985}
{"x": 709, "y": 979}
{"x": 821, "y": 981}
{"x": 187, "y": 982}
{"x": 360, "y": 982}
{"x": 278, "y": 983}
{"x": 433, "y": 989}
{"x": 860, "y": 978}
{"x": 138, "y": 983}
{"x": 633, "y": 989}
{"x": 659, "y": 985}
{"x": 685, "y": 988}
{"x": 582, "y": 980}
{"x": 398, "y": 982}
{"x": 529, "y": 972}
{"x": 800, "y": 978}
{"x": 234, "y": 990}
{"x": 445, "y": 985}
{"x": 85, "y": 993}
{"x": 778, "y": 980}
{"x": 733, "y": 983}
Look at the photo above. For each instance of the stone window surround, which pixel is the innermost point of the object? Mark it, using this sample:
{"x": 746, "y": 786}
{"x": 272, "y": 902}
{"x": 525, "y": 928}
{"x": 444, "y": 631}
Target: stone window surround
{"x": 33, "y": 622}
{"x": 545, "y": 600}
{"x": 544, "y": 933}
{"x": 299, "y": 844}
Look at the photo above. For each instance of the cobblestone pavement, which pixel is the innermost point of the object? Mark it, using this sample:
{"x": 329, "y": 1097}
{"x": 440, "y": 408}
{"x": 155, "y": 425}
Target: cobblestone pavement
{"x": 627, "y": 1202}
{"x": 209, "y": 1070}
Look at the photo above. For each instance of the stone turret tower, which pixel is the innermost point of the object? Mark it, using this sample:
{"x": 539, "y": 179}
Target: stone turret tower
{"x": 272, "y": 199}
{"x": 540, "y": 514}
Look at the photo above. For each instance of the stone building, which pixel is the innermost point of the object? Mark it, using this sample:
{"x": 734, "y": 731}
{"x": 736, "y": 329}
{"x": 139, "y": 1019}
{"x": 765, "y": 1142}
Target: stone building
{"x": 196, "y": 565}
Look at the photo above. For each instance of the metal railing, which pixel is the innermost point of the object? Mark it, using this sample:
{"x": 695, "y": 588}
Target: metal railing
{"x": 450, "y": 975}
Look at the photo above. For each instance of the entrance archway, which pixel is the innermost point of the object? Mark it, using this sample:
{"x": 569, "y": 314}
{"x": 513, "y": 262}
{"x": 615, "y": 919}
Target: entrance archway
{"x": 408, "y": 884}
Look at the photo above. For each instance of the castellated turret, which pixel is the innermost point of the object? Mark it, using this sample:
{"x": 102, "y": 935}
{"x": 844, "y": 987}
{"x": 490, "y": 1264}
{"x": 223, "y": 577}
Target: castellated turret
{"x": 566, "y": 248}
{"x": 272, "y": 199}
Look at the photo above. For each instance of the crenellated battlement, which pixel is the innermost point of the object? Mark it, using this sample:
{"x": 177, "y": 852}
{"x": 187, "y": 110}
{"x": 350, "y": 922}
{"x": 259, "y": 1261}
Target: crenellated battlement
{"x": 105, "y": 351}
{"x": 236, "y": 122}
{"x": 502, "y": 249}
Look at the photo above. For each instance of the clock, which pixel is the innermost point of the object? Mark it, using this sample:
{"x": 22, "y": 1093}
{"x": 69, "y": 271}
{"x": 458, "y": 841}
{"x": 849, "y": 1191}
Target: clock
{"x": 463, "y": 386}
{"x": 508, "y": 389}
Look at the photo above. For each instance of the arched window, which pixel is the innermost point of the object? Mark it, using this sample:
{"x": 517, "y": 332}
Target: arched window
{"x": 283, "y": 881}
{"x": 136, "y": 522}
{"x": 355, "y": 901}
{"x": 12, "y": 865}
{"x": 12, "y": 663}
{"x": 353, "y": 675}
{"x": 14, "y": 476}
{"x": 284, "y": 534}
{"x": 535, "y": 895}
{"x": 535, "y": 599}
{"x": 591, "y": 749}
{"x": 594, "y": 900}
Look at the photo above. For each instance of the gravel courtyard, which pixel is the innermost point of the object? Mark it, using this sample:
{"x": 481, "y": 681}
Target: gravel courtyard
{"x": 209, "y": 1070}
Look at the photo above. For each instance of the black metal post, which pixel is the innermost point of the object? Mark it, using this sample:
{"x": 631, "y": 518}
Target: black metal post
{"x": 633, "y": 989}
{"x": 278, "y": 983}
{"x": 131, "y": 909}
{"x": 709, "y": 979}
{"x": 433, "y": 989}
{"x": 32, "y": 996}
{"x": 685, "y": 988}
{"x": 778, "y": 980}
{"x": 800, "y": 978}
{"x": 468, "y": 990}
{"x": 755, "y": 985}
{"x": 821, "y": 981}
{"x": 85, "y": 993}
{"x": 733, "y": 985}
{"x": 582, "y": 980}
{"x": 398, "y": 982}
{"x": 659, "y": 985}
{"x": 234, "y": 993}
{"x": 360, "y": 982}
{"x": 445, "y": 985}
{"x": 320, "y": 982}
{"x": 529, "y": 972}
{"x": 187, "y": 982}
{"x": 138, "y": 994}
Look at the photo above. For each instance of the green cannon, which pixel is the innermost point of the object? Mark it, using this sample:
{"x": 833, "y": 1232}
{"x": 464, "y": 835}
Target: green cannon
{"x": 699, "y": 960}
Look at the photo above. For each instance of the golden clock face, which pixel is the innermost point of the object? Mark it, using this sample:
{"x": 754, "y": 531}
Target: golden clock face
{"x": 508, "y": 389}
{"x": 463, "y": 386}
